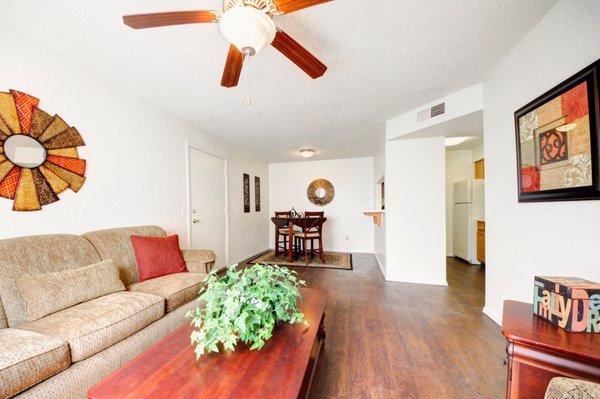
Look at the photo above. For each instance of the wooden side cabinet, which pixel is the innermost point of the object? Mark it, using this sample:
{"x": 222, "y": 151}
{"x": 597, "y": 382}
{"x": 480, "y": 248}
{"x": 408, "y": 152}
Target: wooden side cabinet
{"x": 481, "y": 241}
{"x": 538, "y": 351}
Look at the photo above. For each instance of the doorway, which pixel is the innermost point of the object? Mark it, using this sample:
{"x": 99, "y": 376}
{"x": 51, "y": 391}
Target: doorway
{"x": 465, "y": 217}
{"x": 208, "y": 201}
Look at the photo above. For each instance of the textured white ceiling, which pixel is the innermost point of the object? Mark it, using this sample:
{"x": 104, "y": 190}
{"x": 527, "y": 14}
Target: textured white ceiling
{"x": 384, "y": 57}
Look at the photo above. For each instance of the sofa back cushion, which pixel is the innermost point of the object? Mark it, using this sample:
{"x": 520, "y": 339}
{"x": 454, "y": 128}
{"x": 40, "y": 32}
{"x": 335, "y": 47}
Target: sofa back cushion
{"x": 48, "y": 293}
{"x": 115, "y": 244}
{"x": 35, "y": 255}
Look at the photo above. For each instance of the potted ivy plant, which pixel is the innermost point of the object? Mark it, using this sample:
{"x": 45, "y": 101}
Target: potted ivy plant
{"x": 244, "y": 306}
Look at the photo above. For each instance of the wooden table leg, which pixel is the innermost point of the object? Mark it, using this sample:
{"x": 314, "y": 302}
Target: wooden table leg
{"x": 276, "y": 240}
{"x": 322, "y": 333}
{"x": 290, "y": 242}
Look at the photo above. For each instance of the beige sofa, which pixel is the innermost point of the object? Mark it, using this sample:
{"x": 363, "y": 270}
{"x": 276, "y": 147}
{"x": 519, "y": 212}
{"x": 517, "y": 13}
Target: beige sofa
{"x": 61, "y": 355}
{"x": 567, "y": 388}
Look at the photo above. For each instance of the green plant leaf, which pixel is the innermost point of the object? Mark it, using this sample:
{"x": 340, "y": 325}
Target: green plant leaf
{"x": 244, "y": 305}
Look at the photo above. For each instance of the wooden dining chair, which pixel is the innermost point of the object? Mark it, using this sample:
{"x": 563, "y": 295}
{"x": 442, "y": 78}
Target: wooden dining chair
{"x": 312, "y": 214}
{"x": 312, "y": 230}
{"x": 281, "y": 245}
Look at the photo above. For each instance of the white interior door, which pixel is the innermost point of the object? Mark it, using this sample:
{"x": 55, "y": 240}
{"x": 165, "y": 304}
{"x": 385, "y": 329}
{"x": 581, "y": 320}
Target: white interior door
{"x": 208, "y": 203}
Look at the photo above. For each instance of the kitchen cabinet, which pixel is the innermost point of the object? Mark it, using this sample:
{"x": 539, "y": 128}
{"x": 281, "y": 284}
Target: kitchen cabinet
{"x": 480, "y": 169}
{"x": 481, "y": 241}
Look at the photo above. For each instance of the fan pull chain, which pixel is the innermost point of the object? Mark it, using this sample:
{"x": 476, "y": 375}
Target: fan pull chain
{"x": 247, "y": 81}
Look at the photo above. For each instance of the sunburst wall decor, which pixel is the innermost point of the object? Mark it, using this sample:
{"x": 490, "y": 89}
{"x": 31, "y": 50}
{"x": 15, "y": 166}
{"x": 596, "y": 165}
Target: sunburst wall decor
{"x": 38, "y": 153}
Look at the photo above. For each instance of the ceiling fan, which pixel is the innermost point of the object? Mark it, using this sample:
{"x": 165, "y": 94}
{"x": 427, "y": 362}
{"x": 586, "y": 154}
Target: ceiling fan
{"x": 248, "y": 25}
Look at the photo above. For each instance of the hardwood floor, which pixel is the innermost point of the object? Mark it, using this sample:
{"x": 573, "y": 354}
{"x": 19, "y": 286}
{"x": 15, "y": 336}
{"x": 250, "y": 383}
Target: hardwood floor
{"x": 397, "y": 340}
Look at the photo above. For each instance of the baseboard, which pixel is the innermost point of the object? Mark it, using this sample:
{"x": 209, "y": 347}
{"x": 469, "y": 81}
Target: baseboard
{"x": 442, "y": 283}
{"x": 380, "y": 266}
{"x": 495, "y": 318}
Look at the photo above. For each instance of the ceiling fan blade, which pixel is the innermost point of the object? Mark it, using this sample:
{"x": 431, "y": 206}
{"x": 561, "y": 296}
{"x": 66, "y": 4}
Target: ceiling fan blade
{"x": 233, "y": 67}
{"x": 288, "y": 6}
{"x": 143, "y": 21}
{"x": 299, "y": 55}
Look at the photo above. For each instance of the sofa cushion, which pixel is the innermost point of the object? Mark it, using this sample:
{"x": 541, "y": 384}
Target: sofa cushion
{"x": 177, "y": 289}
{"x": 93, "y": 326}
{"x": 157, "y": 256}
{"x": 47, "y": 293}
{"x": 34, "y": 255}
{"x": 3, "y": 319}
{"x": 199, "y": 260}
{"x": 28, "y": 358}
{"x": 115, "y": 244}
{"x": 567, "y": 388}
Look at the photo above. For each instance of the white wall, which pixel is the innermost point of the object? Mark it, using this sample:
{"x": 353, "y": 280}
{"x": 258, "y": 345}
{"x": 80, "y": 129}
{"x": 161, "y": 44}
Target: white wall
{"x": 415, "y": 211}
{"x": 459, "y": 104}
{"x": 524, "y": 240}
{"x": 379, "y": 231}
{"x": 135, "y": 152}
{"x": 477, "y": 152}
{"x": 346, "y": 229}
{"x": 459, "y": 167}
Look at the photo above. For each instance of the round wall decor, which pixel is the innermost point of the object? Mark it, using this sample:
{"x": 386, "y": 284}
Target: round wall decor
{"x": 38, "y": 153}
{"x": 320, "y": 192}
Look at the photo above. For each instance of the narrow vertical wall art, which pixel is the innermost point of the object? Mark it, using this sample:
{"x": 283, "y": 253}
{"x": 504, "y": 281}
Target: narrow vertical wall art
{"x": 246, "y": 193}
{"x": 257, "y": 192}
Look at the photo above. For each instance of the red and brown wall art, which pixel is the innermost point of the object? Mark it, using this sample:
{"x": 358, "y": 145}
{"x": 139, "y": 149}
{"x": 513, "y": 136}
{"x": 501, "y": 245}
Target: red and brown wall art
{"x": 38, "y": 153}
{"x": 557, "y": 142}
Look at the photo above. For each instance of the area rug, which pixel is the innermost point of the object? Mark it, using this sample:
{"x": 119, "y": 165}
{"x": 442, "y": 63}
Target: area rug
{"x": 333, "y": 260}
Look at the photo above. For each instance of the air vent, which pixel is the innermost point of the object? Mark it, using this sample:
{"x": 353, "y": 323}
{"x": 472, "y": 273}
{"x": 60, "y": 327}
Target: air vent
{"x": 437, "y": 110}
{"x": 432, "y": 112}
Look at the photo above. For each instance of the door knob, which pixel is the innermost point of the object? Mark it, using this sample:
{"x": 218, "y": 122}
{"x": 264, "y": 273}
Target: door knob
{"x": 195, "y": 221}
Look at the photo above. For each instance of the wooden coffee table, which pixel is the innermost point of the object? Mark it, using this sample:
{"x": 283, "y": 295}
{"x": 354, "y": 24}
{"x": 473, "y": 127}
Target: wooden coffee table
{"x": 283, "y": 369}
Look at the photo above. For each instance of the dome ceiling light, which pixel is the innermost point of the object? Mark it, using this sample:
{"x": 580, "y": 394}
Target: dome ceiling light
{"x": 307, "y": 152}
{"x": 452, "y": 141}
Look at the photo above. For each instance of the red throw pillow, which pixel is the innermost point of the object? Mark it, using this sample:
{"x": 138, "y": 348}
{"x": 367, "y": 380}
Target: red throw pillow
{"x": 157, "y": 256}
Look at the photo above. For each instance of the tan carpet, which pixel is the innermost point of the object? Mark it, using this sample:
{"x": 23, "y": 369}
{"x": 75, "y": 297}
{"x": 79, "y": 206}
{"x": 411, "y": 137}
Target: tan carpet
{"x": 333, "y": 260}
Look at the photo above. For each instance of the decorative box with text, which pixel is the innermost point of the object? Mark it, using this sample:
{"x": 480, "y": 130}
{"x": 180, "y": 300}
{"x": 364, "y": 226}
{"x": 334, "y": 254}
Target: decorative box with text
{"x": 570, "y": 303}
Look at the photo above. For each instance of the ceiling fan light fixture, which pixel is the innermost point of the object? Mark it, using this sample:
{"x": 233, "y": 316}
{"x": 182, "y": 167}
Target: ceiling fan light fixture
{"x": 247, "y": 28}
{"x": 307, "y": 152}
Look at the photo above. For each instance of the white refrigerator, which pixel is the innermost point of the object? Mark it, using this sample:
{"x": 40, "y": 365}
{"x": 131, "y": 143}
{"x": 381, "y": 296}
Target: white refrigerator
{"x": 468, "y": 208}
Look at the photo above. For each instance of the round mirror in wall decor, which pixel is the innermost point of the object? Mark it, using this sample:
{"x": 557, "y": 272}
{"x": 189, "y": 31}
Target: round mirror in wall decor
{"x": 38, "y": 153}
{"x": 320, "y": 192}
{"x": 24, "y": 151}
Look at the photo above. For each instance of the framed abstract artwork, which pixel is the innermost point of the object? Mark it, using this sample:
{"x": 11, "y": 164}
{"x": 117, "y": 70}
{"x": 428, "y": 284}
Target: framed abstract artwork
{"x": 246, "y": 193}
{"x": 257, "y": 193}
{"x": 557, "y": 139}
{"x": 38, "y": 153}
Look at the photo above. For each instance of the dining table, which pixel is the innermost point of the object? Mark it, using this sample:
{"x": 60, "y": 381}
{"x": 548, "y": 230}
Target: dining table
{"x": 288, "y": 222}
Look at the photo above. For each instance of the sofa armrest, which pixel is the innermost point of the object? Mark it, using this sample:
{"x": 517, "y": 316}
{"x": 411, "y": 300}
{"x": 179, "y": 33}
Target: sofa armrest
{"x": 199, "y": 260}
{"x": 569, "y": 388}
